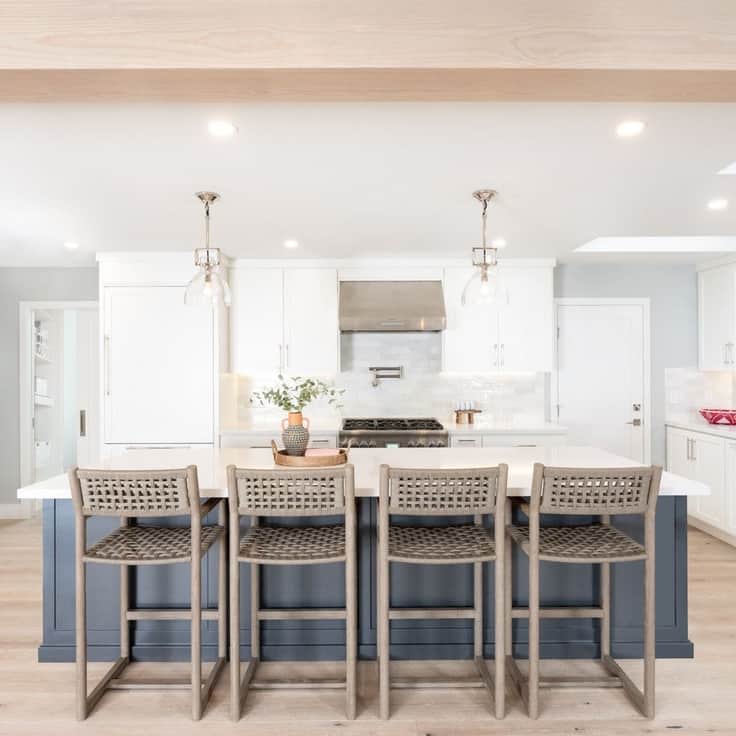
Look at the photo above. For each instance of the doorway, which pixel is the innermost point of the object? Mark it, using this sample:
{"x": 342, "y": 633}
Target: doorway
{"x": 59, "y": 395}
{"x": 603, "y": 374}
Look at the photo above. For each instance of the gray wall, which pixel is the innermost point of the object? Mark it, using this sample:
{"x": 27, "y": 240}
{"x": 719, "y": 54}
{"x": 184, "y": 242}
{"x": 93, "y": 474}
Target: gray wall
{"x": 16, "y": 285}
{"x": 674, "y": 317}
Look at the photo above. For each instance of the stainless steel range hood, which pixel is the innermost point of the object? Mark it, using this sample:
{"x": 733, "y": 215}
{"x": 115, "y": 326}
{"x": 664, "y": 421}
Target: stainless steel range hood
{"x": 392, "y": 306}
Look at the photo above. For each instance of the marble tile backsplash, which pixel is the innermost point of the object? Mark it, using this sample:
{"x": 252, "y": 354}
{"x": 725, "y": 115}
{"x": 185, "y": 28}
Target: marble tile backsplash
{"x": 689, "y": 389}
{"x": 423, "y": 390}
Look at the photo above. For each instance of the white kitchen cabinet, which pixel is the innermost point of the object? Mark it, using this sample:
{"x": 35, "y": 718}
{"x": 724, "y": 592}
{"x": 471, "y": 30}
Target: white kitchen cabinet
{"x": 284, "y": 321}
{"x": 518, "y": 335}
{"x": 717, "y": 318}
{"x": 256, "y": 320}
{"x": 158, "y": 368}
{"x": 730, "y": 488}
{"x": 701, "y": 457}
{"x": 474, "y": 441}
{"x": 263, "y": 439}
{"x": 311, "y": 331}
{"x": 524, "y": 440}
{"x": 470, "y": 334}
{"x": 526, "y": 321}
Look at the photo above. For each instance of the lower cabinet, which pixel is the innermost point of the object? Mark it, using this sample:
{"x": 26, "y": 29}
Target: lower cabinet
{"x": 710, "y": 460}
{"x": 508, "y": 440}
{"x": 256, "y": 440}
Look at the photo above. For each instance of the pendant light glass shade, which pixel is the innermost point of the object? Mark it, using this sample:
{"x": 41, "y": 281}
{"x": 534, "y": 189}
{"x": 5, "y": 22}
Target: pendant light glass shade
{"x": 484, "y": 288}
{"x": 209, "y": 284}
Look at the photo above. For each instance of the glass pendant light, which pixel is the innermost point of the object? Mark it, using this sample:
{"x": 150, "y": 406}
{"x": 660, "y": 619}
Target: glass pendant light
{"x": 208, "y": 286}
{"x": 483, "y": 288}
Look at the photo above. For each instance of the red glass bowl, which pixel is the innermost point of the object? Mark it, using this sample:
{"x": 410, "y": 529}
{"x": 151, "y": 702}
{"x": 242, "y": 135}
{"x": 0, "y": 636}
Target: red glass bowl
{"x": 719, "y": 416}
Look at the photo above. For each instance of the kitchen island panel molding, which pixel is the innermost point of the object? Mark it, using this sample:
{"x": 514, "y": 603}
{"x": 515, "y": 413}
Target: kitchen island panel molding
{"x": 324, "y": 640}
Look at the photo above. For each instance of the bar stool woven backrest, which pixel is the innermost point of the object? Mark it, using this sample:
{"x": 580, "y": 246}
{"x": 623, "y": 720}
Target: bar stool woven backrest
{"x": 289, "y": 492}
{"x": 605, "y": 491}
{"x": 134, "y": 493}
{"x": 455, "y": 492}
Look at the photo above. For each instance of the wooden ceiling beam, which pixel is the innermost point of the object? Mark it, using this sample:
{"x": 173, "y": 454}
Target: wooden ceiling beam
{"x": 353, "y": 85}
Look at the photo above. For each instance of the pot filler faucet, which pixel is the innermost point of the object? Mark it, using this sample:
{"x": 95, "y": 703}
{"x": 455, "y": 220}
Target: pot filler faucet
{"x": 380, "y": 372}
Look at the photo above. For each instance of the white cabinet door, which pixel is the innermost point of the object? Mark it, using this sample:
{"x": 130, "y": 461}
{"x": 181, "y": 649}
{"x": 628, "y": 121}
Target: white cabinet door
{"x": 730, "y": 487}
{"x": 679, "y": 462}
{"x": 256, "y": 320}
{"x": 311, "y": 332}
{"x": 526, "y": 320}
{"x": 471, "y": 334}
{"x": 717, "y": 319}
{"x": 708, "y": 454}
{"x": 475, "y": 441}
{"x": 158, "y": 370}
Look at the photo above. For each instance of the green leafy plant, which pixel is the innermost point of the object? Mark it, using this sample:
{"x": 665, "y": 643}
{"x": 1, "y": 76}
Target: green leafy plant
{"x": 293, "y": 394}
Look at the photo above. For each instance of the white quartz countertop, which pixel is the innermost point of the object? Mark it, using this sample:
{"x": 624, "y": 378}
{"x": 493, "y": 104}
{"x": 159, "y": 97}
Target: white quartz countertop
{"x": 212, "y": 463}
{"x": 700, "y": 425}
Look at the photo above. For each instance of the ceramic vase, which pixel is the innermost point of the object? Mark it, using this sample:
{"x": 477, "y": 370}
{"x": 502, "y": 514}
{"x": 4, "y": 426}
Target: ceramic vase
{"x": 295, "y": 433}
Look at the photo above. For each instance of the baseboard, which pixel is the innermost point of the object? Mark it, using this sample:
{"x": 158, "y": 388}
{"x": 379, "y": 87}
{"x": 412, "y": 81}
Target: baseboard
{"x": 19, "y": 510}
{"x": 714, "y": 531}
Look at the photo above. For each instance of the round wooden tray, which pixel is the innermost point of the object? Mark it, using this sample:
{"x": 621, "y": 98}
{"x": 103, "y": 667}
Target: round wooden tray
{"x": 317, "y": 458}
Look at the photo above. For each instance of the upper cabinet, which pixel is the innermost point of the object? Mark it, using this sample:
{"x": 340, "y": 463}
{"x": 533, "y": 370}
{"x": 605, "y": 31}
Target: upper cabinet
{"x": 717, "y": 318}
{"x": 518, "y": 335}
{"x": 284, "y": 320}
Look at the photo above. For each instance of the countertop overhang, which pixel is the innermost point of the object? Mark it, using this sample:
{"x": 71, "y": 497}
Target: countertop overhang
{"x": 212, "y": 463}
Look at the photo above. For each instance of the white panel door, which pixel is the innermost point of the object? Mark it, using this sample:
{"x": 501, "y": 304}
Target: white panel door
{"x": 526, "y": 320}
{"x": 311, "y": 331}
{"x": 600, "y": 363}
{"x": 158, "y": 369}
{"x": 708, "y": 453}
{"x": 717, "y": 318}
{"x": 256, "y": 321}
{"x": 471, "y": 334}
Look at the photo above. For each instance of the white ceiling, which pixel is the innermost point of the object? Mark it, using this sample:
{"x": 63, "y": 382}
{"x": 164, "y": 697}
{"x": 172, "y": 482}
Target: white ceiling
{"x": 358, "y": 179}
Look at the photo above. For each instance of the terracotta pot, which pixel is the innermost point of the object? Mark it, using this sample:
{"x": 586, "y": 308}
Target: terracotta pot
{"x": 295, "y": 433}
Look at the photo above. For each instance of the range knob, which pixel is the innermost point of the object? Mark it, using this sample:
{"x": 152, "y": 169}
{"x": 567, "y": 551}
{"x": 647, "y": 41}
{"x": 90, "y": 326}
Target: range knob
{"x": 411, "y": 443}
{"x": 420, "y": 443}
{"x": 372, "y": 443}
{"x": 344, "y": 443}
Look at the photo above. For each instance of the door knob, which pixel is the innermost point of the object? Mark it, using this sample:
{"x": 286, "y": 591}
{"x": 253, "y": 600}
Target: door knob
{"x": 635, "y": 422}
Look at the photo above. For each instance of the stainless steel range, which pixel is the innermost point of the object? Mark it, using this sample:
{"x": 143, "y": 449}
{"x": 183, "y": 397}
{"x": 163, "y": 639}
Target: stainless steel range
{"x": 392, "y": 432}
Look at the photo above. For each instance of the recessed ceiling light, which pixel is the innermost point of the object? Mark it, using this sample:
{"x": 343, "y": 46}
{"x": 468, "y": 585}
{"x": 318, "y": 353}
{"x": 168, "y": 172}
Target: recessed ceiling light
{"x": 718, "y": 204}
{"x": 291, "y": 243}
{"x": 221, "y": 128}
{"x": 630, "y": 128}
{"x": 498, "y": 243}
{"x": 71, "y": 245}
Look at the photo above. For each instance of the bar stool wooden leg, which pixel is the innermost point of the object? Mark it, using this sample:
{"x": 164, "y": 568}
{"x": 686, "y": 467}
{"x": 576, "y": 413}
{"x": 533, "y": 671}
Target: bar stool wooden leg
{"x": 508, "y": 585}
{"x": 605, "y": 603}
{"x": 499, "y": 618}
{"x": 351, "y": 621}
{"x": 649, "y": 619}
{"x": 255, "y": 608}
{"x": 81, "y": 626}
{"x": 533, "y": 682}
{"x": 235, "y": 702}
{"x": 478, "y": 610}
{"x": 384, "y": 627}
{"x": 222, "y": 585}
{"x": 196, "y": 636}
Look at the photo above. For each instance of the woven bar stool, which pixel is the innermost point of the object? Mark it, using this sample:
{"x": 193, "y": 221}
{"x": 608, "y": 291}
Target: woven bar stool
{"x": 463, "y": 492}
{"x": 302, "y": 492}
{"x": 585, "y": 492}
{"x": 150, "y": 493}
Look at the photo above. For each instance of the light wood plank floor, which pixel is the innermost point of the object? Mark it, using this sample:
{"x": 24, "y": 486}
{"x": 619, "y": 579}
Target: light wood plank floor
{"x": 694, "y": 696}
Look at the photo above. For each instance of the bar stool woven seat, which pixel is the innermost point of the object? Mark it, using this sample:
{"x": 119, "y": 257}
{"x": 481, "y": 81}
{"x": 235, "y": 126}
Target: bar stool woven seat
{"x": 594, "y": 543}
{"x": 290, "y": 545}
{"x": 448, "y": 544}
{"x": 142, "y": 545}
